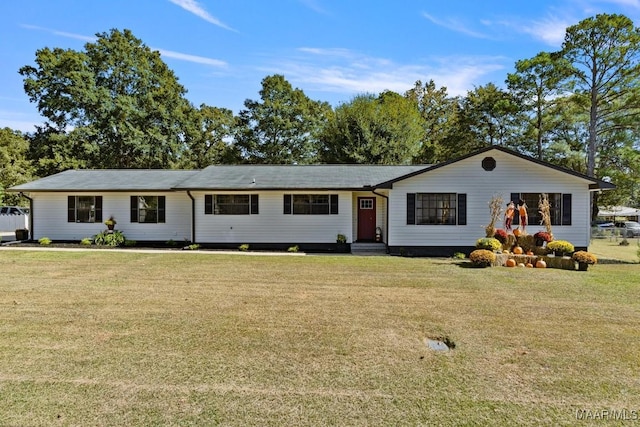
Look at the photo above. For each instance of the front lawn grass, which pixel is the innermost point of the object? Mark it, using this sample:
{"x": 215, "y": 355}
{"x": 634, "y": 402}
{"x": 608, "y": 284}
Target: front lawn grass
{"x": 101, "y": 338}
{"x": 609, "y": 248}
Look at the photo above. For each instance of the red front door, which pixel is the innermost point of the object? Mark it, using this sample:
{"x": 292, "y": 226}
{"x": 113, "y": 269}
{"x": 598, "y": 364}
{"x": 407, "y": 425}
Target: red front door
{"x": 366, "y": 218}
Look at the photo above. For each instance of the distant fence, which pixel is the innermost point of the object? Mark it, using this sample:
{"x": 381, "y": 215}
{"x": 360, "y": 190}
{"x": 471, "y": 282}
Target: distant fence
{"x": 9, "y": 222}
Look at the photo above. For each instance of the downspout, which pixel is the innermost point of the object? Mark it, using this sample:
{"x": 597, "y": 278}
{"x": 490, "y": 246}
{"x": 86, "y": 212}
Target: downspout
{"x": 386, "y": 219}
{"x": 30, "y": 213}
{"x": 193, "y": 217}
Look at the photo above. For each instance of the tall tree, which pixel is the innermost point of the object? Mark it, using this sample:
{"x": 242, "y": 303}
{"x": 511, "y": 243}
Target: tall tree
{"x": 209, "y": 138}
{"x": 283, "y": 127}
{"x": 439, "y": 113}
{"x": 15, "y": 168}
{"x": 490, "y": 115}
{"x": 605, "y": 53}
{"x": 537, "y": 84}
{"x": 384, "y": 129}
{"x": 117, "y": 95}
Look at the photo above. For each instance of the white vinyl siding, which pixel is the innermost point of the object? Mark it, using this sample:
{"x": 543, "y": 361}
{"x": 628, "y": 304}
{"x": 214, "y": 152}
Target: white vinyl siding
{"x": 50, "y": 217}
{"x": 272, "y": 225}
{"x": 511, "y": 175}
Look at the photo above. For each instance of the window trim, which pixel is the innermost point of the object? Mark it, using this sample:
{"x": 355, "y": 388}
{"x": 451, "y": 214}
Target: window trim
{"x": 161, "y": 209}
{"x": 564, "y": 213}
{"x": 210, "y": 203}
{"x": 289, "y": 204}
{"x": 72, "y": 209}
{"x": 460, "y": 209}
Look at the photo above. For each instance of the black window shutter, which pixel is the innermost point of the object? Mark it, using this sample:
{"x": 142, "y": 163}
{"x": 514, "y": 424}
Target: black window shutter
{"x": 98, "y": 201}
{"x": 334, "y": 204}
{"x": 162, "y": 209}
{"x": 516, "y": 216}
{"x": 254, "y": 204}
{"x": 134, "y": 208}
{"x": 566, "y": 209}
{"x": 462, "y": 209}
{"x": 208, "y": 204}
{"x": 71, "y": 209}
{"x": 411, "y": 208}
{"x": 287, "y": 204}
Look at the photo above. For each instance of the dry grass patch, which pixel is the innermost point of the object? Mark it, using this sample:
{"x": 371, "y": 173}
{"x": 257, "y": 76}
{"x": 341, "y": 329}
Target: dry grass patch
{"x": 93, "y": 338}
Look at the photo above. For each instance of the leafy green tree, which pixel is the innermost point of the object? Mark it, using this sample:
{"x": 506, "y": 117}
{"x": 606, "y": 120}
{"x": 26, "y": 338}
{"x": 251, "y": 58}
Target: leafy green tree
{"x": 283, "y": 127}
{"x": 15, "y": 168}
{"x": 537, "y": 84}
{"x": 491, "y": 117}
{"x": 116, "y": 100}
{"x": 439, "y": 115}
{"x": 604, "y": 51}
{"x": 209, "y": 138}
{"x": 384, "y": 129}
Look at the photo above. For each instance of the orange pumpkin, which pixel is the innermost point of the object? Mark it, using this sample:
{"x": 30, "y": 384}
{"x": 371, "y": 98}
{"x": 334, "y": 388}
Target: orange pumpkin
{"x": 511, "y": 262}
{"x": 529, "y": 253}
{"x": 541, "y": 264}
{"x": 516, "y": 232}
{"x": 529, "y": 265}
{"x": 505, "y": 251}
{"x": 517, "y": 250}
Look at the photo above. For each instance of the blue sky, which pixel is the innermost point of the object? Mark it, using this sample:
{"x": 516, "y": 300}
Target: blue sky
{"x": 331, "y": 49}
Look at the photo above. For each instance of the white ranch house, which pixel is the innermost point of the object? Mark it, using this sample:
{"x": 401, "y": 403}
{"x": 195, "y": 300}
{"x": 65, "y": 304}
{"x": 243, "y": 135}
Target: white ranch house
{"x": 415, "y": 210}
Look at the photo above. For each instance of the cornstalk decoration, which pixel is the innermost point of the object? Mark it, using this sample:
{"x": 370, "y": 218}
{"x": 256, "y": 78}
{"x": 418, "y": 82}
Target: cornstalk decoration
{"x": 495, "y": 209}
{"x": 545, "y": 212}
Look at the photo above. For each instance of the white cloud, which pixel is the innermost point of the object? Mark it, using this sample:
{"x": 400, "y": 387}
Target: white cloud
{"x": 195, "y": 8}
{"x": 193, "y": 58}
{"x": 60, "y": 33}
{"x": 313, "y": 5}
{"x": 345, "y": 72}
{"x": 167, "y": 53}
{"x": 455, "y": 25}
{"x": 550, "y": 30}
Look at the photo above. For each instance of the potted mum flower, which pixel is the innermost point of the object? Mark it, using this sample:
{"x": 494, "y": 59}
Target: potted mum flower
{"x": 482, "y": 258}
{"x": 541, "y": 237}
{"x": 110, "y": 223}
{"x": 560, "y": 247}
{"x": 584, "y": 259}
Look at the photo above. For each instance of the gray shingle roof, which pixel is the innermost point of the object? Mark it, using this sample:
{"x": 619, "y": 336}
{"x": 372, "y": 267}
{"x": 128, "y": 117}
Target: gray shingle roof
{"x": 108, "y": 180}
{"x": 223, "y": 177}
{"x": 285, "y": 177}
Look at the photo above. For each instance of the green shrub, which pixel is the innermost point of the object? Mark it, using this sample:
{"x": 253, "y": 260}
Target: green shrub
{"x": 560, "y": 246}
{"x": 194, "y": 246}
{"x": 459, "y": 255}
{"x": 489, "y": 243}
{"x": 109, "y": 238}
{"x": 171, "y": 242}
{"x": 244, "y": 247}
{"x": 341, "y": 238}
{"x": 293, "y": 249}
{"x": 482, "y": 257}
{"x": 44, "y": 241}
{"x": 86, "y": 241}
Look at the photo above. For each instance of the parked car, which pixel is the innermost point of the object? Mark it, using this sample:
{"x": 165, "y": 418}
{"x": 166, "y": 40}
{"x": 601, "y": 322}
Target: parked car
{"x": 13, "y": 210}
{"x": 629, "y": 228}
